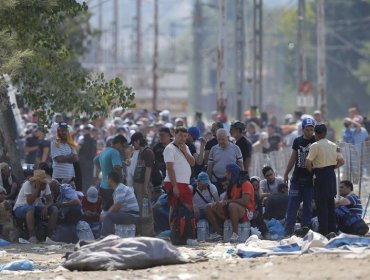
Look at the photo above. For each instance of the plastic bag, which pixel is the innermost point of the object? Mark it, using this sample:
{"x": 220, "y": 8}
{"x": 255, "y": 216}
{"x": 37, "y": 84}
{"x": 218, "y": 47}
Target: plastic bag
{"x": 276, "y": 229}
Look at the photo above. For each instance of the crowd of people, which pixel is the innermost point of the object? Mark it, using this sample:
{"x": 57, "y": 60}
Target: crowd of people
{"x": 161, "y": 174}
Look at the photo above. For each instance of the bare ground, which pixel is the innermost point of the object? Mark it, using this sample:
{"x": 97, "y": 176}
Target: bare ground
{"x": 48, "y": 260}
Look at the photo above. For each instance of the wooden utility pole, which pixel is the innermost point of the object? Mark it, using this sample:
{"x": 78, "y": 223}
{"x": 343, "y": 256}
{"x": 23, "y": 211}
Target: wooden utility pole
{"x": 239, "y": 57}
{"x": 115, "y": 31}
{"x": 321, "y": 58}
{"x": 155, "y": 58}
{"x": 197, "y": 57}
{"x": 138, "y": 32}
{"x": 221, "y": 102}
{"x": 257, "y": 53}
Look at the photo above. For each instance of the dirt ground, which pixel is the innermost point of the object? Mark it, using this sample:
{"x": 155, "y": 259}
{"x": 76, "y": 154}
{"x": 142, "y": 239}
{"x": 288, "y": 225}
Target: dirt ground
{"x": 48, "y": 260}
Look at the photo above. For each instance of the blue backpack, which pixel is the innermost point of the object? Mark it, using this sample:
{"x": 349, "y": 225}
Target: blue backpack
{"x": 349, "y": 222}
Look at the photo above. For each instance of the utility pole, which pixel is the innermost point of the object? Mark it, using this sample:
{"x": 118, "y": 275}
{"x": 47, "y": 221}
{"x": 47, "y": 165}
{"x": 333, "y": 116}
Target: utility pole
{"x": 100, "y": 27}
{"x": 138, "y": 32}
{"x": 115, "y": 31}
{"x": 321, "y": 58}
{"x": 173, "y": 42}
{"x": 197, "y": 57}
{"x": 302, "y": 74}
{"x": 257, "y": 53}
{"x": 221, "y": 102}
{"x": 155, "y": 57}
{"x": 239, "y": 57}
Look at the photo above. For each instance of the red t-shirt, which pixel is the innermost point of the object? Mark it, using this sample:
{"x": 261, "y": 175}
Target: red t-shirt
{"x": 93, "y": 207}
{"x": 246, "y": 188}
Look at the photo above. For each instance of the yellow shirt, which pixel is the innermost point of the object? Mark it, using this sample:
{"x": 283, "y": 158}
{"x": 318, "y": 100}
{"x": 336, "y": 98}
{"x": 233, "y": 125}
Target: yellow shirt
{"x": 323, "y": 153}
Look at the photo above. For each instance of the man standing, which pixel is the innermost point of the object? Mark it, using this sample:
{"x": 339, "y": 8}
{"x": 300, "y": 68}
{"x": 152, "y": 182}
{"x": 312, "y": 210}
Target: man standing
{"x": 31, "y": 147}
{"x": 108, "y": 160}
{"x": 165, "y": 138}
{"x": 236, "y": 131}
{"x": 43, "y": 152}
{"x": 178, "y": 170}
{"x": 63, "y": 154}
{"x": 220, "y": 155}
{"x": 324, "y": 156}
{"x": 301, "y": 183}
{"x": 86, "y": 154}
{"x": 142, "y": 183}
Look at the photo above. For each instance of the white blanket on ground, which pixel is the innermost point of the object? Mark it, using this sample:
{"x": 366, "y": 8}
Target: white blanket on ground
{"x": 313, "y": 242}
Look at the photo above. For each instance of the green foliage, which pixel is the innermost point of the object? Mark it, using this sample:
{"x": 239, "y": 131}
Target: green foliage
{"x": 41, "y": 43}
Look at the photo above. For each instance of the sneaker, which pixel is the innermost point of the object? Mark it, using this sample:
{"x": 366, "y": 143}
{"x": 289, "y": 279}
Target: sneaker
{"x": 234, "y": 238}
{"x": 192, "y": 242}
{"x": 331, "y": 235}
{"x": 215, "y": 237}
{"x": 33, "y": 239}
{"x": 301, "y": 232}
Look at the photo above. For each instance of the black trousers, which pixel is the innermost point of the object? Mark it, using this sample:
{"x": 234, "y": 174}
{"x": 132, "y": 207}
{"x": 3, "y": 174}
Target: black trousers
{"x": 107, "y": 196}
{"x": 326, "y": 214}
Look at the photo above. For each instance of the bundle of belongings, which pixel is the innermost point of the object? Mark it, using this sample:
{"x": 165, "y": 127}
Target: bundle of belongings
{"x": 115, "y": 253}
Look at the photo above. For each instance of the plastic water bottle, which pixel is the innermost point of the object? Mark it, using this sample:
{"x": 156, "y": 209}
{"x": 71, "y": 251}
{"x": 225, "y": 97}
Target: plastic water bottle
{"x": 145, "y": 210}
{"x": 18, "y": 265}
{"x": 202, "y": 230}
{"x": 125, "y": 231}
{"x": 244, "y": 230}
{"x": 228, "y": 230}
{"x": 84, "y": 231}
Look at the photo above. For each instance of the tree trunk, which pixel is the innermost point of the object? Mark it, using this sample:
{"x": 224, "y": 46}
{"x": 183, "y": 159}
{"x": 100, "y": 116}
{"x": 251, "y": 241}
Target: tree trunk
{"x": 9, "y": 140}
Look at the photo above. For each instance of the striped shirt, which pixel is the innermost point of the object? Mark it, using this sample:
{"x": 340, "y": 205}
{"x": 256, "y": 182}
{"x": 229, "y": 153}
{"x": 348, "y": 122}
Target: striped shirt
{"x": 127, "y": 196}
{"x": 62, "y": 170}
{"x": 355, "y": 207}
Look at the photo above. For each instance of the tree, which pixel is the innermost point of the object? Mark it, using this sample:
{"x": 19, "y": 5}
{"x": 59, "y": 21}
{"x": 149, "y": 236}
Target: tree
{"x": 40, "y": 52}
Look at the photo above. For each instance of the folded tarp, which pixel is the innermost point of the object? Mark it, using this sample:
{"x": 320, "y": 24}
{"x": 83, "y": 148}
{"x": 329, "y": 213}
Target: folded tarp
{"x": 115, "y": 253}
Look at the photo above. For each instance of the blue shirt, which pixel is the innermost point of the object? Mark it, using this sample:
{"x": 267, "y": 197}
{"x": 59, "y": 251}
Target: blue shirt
{"x": 355, "y": 207}
{"x": 127, "y": 196}
{"x": 347, "y": 136}
{"x": 107, "y": 159}
{"x": 67, "y": 193}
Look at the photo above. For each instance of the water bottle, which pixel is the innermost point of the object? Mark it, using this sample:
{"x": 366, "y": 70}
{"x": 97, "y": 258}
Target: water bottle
{"x": 228, "y": 230}
{"x": 244, "y": 231}
{"x": 202, "y": 230}
{"x": 18, "y": 265}
{"x": 125, "y": 231}
{"x": 145, "y": 210}
{"x": 84, "y": 231}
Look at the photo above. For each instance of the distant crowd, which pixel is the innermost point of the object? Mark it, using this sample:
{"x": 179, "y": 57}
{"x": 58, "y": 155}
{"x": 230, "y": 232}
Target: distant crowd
{"x": 162, "y": 174}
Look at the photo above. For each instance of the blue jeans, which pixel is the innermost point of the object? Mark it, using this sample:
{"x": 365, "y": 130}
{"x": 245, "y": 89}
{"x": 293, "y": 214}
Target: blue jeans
{"x": 21, "y": 211}
{"x": 297, "y": 194}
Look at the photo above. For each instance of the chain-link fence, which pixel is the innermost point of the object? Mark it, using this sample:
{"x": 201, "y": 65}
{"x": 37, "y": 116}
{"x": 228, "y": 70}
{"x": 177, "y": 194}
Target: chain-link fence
{"x": 356, "y": 167}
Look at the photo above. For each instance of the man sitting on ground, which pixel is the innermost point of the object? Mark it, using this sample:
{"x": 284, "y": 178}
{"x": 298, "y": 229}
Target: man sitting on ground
{"x": 30, "y": 207}
{"x": 204, "y": 193}
{"x": 92, "y": 205}
{"x": 8, "y": 181}
{"x": 238, "y": 205}
{"x": 125, "y": 209}
{"x": 270, "y": 184}
{"x": 276, "y": 204}
{"x": 67, "y": 201}
{"x": 351, "y": 202}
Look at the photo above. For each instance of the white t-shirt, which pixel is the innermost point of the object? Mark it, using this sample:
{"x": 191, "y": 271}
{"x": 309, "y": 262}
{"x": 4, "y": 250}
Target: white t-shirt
{"x": 181, "y": 166}
{"x": 199, "y": 202}
{"x": 27, "y": 189}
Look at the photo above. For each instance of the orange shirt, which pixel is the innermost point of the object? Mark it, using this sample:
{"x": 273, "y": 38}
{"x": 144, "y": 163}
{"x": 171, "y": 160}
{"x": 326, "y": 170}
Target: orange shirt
{"x": 246, "y": 188}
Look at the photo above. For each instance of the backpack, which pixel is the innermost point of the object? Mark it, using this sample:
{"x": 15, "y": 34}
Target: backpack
{"x": 196, "y": 190}
{"x": 349, "y": 222}
{"x": 183, "y": 225}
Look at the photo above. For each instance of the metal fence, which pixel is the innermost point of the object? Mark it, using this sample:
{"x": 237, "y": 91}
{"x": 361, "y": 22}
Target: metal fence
{"x": 356, "y": 167}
